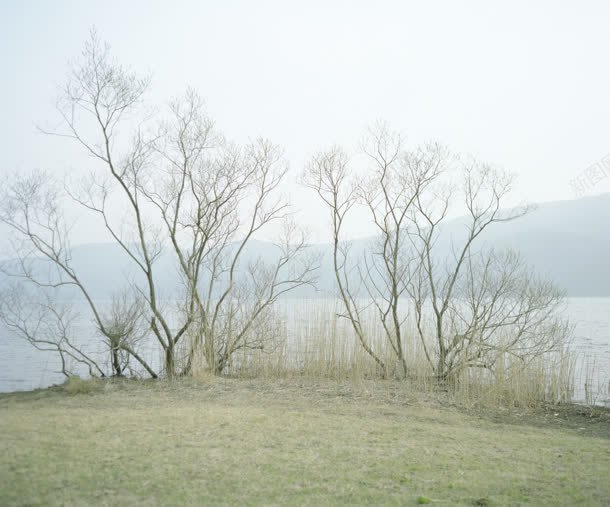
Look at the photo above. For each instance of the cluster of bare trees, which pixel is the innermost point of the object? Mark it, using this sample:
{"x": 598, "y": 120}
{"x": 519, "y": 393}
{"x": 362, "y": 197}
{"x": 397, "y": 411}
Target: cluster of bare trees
{"x": 185, "y": 191}
{"x": 467, "y": 309}
{"x": 182, "y": 190}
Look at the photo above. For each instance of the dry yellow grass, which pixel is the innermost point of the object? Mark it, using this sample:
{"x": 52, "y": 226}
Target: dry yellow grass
{"x": 290, "y": 443}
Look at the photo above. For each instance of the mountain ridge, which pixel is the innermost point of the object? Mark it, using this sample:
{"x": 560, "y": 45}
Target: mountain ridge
{"x": 566, "y": 241}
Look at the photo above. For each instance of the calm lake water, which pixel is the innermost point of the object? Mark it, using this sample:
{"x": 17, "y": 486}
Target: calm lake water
{"x": 22, "y": 367}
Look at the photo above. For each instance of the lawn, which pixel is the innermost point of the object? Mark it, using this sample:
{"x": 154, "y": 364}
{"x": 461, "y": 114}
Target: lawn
{"x": 256, "y": 442}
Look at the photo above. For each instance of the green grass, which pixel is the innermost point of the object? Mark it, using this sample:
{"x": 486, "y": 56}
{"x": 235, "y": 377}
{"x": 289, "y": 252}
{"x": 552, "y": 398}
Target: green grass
{"x": 290, "y": 443}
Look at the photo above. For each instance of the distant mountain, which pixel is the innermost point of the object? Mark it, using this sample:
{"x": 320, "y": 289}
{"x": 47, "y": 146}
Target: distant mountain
{"x": 105, "y": 269}
{"x": 566, "y": 241}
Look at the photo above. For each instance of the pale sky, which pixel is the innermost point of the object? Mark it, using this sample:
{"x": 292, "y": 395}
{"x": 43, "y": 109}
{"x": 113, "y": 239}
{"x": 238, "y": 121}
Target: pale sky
{"x": 523, "y": 85}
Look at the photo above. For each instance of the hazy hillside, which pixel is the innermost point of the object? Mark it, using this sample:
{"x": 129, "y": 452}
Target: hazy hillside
{"x": 567, "y": 241}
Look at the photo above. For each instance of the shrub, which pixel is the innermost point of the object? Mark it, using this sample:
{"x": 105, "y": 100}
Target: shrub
{"x": 76, "y": 385}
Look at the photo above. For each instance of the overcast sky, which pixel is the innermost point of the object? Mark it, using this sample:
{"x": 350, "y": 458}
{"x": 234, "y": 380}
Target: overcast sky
{"x": 523, "y": 85}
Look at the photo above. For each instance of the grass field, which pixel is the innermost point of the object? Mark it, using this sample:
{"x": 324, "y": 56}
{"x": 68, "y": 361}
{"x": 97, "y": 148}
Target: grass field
{"x": 291, "y": 443}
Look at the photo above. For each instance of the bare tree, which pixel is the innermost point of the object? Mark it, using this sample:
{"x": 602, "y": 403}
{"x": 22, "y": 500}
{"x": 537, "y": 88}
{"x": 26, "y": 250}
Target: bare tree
{"x": 47, "y": 325}
{"x": 390, "y": 192}
{"x": 124, "y": 326}
{"x": 465, "y": 310}
{"x": 42, "y": 258}
{"x": 327, "y": 174}
{"x": 438, "y": 280}
{"x": 185, "y": 192}
{"x": 394, "y": 181}
{"x": 213, "y": 197}
{"x": 502, "y": 308}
